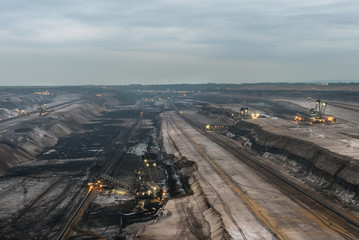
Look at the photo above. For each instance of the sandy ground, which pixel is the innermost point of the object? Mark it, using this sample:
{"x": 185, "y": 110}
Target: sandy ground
{"x": 341, "y": 137}
{"x": 177, "y": 220}
{"x": 287, "y": 218}
{"x": 347, "y": 113}
{"x": 57, "y": 100}
{"x": 14, "y": 200}
{"x": 284, "y": 215}
{"x": 212, "y": 119}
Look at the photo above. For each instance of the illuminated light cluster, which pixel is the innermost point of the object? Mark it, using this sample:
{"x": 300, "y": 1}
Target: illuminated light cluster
{"x": 320, "y": 120}
{"x": 298, "y": 118}
{"x": 255, "y": 115}
{"x": 22, "y": 113}
{"x": 148, "y": 99}
{"x": 183, "y": 91}
{"x": 330, "y": 118}
{"x": 97, "y": 184}
{"x": 43, "y": 93}
{"x": 208, "y": 127}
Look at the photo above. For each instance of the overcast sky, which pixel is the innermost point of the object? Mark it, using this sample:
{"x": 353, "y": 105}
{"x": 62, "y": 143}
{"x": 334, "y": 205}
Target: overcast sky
{"x": 76, "y": 42}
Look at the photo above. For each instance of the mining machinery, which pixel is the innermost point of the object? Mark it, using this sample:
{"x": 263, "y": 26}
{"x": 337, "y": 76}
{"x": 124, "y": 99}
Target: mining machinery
{"x": 316, "y": 114}
{"x": 145, "y": 188}
{"x": 41, "y": 110}
{"x": 244, "y": 112}
{"x": 21, "y": 113}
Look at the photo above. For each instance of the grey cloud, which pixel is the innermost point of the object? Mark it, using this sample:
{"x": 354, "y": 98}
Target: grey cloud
{"x": 235, "y": 32}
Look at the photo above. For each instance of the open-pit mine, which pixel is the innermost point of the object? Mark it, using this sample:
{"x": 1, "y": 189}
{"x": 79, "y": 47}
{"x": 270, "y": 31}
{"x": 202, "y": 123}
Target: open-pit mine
{"x": 210, "y": 161}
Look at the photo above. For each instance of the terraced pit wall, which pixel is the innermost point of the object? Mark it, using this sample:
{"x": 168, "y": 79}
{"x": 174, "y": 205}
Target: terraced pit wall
{"x": 23, "y": 142}
{"x": 333, "y": 173}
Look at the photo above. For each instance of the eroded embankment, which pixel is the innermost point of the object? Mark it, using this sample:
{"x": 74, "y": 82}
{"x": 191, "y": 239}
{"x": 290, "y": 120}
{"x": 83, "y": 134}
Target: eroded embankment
{"x": 27, "y": 139}
{"x": 333, "y": 173}
{"x": 188, "y": 213}
{"x": 212, "y": 216}
{"x": 186, "y": 169}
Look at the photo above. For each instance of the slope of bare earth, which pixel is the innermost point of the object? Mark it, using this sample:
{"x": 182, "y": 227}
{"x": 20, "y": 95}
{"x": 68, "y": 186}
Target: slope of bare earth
{"x": 342, "y": 137}
{"x": 9, "y": 102}
{"x": 182, "y": 218}
{"x": 38, "y": 196}
{"x": 281, "y": 215}
{"x": 24, "y": 137}
{"x": 325, "y": 155}
{"x": 339, "y": 138}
